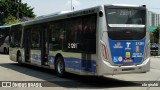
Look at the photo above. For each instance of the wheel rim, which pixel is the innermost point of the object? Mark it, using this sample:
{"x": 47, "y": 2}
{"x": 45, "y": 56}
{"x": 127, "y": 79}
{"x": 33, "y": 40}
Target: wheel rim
{"x": 60, "y": 67}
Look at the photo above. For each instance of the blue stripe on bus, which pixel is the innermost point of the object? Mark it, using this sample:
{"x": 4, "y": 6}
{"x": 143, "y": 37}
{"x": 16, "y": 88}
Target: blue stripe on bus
{"x": 76, "y": 63}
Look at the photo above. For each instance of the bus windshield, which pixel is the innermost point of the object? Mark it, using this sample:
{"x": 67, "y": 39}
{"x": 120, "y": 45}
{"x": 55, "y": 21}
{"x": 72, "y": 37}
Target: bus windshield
{"x": 127, "y": 22}
{"x": 125, "y": 16}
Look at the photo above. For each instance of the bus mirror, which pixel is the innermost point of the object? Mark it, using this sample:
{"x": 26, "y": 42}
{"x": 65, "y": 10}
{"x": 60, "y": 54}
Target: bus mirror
{"x": 101, "y": 14}
{"x": 143, "y": 5}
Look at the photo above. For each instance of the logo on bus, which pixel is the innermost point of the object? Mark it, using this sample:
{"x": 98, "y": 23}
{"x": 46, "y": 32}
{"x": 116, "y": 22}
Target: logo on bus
{"x": 128, "y": 54}
{"x": 35, "y": 57}
{"x": 137, "y": 55}
{"x": 51, "y": 59}
{"x": 137, "y": 48}
{"x": 117, "y": 59}
{"x": 128, "y": 46}
{"x": 118, "y": 45}
{"x": 128, "y": 60}
{"x": 120, "y": 59}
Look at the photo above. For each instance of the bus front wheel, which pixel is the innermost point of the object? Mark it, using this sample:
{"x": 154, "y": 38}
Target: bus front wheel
{"x": 60, "y": 67}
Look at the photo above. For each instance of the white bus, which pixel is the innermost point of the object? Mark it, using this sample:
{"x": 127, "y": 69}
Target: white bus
{"x": 103, "y": 40}
{"x": 4, "y": 39}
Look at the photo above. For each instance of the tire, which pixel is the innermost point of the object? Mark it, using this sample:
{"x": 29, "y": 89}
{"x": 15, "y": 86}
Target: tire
{"x": 60, "y": 67}
{"x": 19, "y": 59}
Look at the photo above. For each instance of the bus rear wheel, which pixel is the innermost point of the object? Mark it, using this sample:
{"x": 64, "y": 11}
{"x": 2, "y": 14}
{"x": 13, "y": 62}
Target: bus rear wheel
{"x": 60, "y": 67}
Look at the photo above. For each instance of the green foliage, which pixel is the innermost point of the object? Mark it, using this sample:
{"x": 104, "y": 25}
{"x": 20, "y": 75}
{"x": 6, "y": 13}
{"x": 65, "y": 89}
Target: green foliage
{"x": 11, "y": 9}
{"x": 11, "y": 20}
{"x": 156, "y": 34}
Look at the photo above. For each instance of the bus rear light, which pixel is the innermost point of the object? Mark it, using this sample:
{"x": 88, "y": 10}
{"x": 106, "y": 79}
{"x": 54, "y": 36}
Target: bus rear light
{"x": 105, "y": 53}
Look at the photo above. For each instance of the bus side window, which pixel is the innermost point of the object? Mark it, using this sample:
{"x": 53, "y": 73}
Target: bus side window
{"x": 56, "y": 36}
{"x": 15, "y": 36}
{"x": 50, "y": 37}
{"x": 81, "y": 34}
{"x": 73, "y": 35}
{"x": 89, "y": 26}
{"x": 35, "y": 38}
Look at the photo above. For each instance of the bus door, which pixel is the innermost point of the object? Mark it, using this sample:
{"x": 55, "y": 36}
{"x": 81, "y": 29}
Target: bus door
{"x": 87, "y": 62}
{"x": 27, "y": 42}
{"x": 44, "y": 46}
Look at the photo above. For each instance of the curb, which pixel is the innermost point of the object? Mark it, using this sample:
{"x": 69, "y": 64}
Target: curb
{"x": 156, "y": 56}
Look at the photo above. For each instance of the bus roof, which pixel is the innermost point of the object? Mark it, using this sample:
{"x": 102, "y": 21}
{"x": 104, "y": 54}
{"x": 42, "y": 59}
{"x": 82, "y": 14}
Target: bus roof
{"x": 57, "y": 14}
{"x": 21, "y": 23}
{"x": 127, "y": 5}
{"x": 52, "y": 14}
{"x": 45, "y": 18}
{"x": 4, "y": 26}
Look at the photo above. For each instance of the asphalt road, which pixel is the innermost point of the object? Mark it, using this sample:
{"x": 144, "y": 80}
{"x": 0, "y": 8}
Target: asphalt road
{"x": 11, "y": 71}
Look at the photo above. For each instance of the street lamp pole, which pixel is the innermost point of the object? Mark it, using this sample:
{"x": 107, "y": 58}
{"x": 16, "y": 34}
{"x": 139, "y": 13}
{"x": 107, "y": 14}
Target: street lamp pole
{"x": 18, "y": 11}
{"x": 71, "y": 5}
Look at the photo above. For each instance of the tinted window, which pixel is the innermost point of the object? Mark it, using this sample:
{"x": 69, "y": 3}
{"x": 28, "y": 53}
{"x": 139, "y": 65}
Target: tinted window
{"x": 126, "y": 24}
{"x": 73, "y": 35}
{"x": 126, "y": 33}
{"x": 35, "y": 37}
{"x": 81, "y": 34}
{"x": 4, "y": 35}
{"x": 15, "y": 36}
{"x": 89, "y": 27}
{"x": 56, "y": 35}
{"x": 125, "y": 16}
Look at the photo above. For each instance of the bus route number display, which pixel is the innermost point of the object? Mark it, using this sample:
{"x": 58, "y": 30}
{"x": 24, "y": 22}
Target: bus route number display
{"x": 125, "y": 13}
{"x": 73, "y": 45}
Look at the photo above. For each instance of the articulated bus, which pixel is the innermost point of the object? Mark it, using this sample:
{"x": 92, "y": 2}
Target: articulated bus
{"x": 4, "y": 39}
{"x": 103, "y": 40}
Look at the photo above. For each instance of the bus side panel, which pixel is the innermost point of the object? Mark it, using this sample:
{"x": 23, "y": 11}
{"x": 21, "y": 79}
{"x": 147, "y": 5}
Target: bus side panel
{"x": 13, "y": 54}
{"x": 76, "y": 63}
{"x": 35, "y": 57}
{"x": 75, "y": 40}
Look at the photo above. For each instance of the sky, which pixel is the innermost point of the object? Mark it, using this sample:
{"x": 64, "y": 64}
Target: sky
{"x": 44, "y": 7}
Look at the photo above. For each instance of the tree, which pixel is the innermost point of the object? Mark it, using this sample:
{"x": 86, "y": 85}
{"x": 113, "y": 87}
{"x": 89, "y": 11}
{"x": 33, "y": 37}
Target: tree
{"x": 14, "y": 9}
{"x": 11, "y": 20}
{"x": 156, "y": 34}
